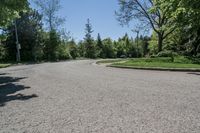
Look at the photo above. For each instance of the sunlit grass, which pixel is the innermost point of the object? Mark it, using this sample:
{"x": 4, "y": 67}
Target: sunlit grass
{"x": 4, "y": 65}
{"x": 109, "y": 61}
{"x": 159, "y": 63}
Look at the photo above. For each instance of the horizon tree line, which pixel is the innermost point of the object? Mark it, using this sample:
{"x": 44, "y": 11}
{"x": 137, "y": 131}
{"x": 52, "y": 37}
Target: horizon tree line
{"x": 41, "y": 38}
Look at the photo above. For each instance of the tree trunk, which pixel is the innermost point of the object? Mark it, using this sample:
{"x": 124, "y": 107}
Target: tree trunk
{"x": 160, "y": 42}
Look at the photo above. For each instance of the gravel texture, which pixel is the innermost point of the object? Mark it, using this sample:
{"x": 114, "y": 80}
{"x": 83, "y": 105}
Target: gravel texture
{"x": 80, "y": 97}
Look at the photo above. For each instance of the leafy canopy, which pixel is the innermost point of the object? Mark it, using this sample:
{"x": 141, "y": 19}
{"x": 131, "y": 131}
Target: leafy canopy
{"x": 9, "y": 9}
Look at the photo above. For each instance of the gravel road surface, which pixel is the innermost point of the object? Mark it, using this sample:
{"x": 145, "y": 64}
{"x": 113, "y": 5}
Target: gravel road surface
{"x": 80, "y": 97}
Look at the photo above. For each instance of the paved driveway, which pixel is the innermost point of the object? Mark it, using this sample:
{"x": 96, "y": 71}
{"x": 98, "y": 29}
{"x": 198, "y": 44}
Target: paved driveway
{"x": 81, "y": 97}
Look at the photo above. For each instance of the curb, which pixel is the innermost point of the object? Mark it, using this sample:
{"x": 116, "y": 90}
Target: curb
{"x": 156, "y": 69}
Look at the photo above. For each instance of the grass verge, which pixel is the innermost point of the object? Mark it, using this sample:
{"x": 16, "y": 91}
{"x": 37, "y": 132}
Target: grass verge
{"x": 109, "y": 61}
{"x": 157, "y": 64}
{"x": 4, "y": 65}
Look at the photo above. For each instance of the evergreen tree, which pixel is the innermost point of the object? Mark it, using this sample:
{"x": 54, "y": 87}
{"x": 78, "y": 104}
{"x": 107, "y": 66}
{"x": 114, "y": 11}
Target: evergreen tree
{"x": 100, "y": 47}
{"x": 52, "y": 45}
{"x": 89, "y": 41}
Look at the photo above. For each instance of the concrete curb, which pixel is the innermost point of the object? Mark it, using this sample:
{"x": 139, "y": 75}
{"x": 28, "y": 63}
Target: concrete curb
{"x": 157, "y": 68}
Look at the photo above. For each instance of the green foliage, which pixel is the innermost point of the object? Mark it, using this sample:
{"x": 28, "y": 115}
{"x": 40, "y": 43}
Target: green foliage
{"x": 73, "y": 49}
{"x": 159, "y": 63}
{"x": 63, "y": 52}
{"x": 4, "y": 65}
{"x": 9, "y": 10}
{"x": 108, "y": 48}
{"x": 149, "y": 14}
{"x": 185, "y": 15}
{"x": 81, "y": 49}
{"x": 153, "y": 44}
{"x": 175, "y": 24}
{"x": 29, "y": 27}
{"x": 126, "y": 47}
{"x": 49, "y": 9}
{"x": 89, "y": 41}
{"x": 160, "y": 59}
{"x": 51, "y": 46}
{"x": 165, "y": 54}
{"x": 100, "y": 47}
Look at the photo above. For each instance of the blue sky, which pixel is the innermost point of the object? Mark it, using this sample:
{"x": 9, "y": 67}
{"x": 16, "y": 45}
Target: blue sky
{"x": 100, "y": 12}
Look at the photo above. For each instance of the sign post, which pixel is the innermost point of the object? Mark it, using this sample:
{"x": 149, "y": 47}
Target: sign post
{"x": 18, "y": 47}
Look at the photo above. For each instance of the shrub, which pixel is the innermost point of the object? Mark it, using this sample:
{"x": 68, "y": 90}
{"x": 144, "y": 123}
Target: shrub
{"x": 165, "y": 54}
{"x": 63, "y": 52}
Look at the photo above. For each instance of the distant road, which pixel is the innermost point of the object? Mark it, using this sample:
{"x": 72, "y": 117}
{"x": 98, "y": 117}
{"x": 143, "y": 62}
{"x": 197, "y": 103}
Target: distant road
{"x": 80, "y": 97}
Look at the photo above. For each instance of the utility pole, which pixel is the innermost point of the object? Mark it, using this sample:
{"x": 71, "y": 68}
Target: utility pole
{"x": 138, "y": 32}
{"x": 18, "y": 47}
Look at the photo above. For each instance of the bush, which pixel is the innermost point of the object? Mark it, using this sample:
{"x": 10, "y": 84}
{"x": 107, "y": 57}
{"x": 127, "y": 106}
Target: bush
{"x": 73, "y": 49}
{"x": 63, "y": 52}
{"x": 182, "y": 59}
{"x": 165, "y": 54}
{"x": 194, "y": 60}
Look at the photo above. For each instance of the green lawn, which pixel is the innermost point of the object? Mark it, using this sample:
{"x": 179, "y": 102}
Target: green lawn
{"x": 158, "y": 63}
{"x": 4, "y": 65}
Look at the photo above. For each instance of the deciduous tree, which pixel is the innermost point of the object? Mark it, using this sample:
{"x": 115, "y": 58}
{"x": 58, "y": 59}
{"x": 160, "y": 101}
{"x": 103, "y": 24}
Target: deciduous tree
{"x": 151, "y": 13}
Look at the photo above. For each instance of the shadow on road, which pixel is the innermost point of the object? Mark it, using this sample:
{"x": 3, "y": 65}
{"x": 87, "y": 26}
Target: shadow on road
{"x": 3, "y": 74}
{"x": 198, "y": 74}
{"x": 9, "y": 89}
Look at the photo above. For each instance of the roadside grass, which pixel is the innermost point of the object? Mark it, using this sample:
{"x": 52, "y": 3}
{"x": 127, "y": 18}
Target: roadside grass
{"x": 4, "y": 65}
{"x": 164, "y": 63}
{"x": 108, "y": 61}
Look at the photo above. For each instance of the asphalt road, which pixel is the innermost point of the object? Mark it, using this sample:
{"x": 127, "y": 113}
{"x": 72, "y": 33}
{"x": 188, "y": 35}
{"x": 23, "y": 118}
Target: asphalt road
{"x": 80, "y": 97}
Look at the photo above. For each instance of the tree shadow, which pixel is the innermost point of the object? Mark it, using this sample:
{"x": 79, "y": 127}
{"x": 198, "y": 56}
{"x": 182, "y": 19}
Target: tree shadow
{"x": 3, "y": 74}
{"x": 198, "y": 74}
{"x": 10, "y": 90}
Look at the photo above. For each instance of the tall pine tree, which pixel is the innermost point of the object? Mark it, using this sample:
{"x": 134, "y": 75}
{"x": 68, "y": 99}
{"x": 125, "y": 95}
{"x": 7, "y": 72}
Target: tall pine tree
{"x": 89, "y": 41}
{"x": 100, "y": 47}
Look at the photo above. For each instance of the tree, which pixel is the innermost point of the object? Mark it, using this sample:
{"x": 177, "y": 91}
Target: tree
{"x": 81, "y": 49}
{"x": 120, "y": 47}
{"x": 89, "y": 41}
{"x": 29, "y": 34}
{"x": 63, "y": 52}
{"x": 186, "y": 17}
{"x": 9, "y": 10}
{"x": 128, "y": 45}
{"x": 73, "y": 49}
{"x": 108, "y": 48}
{"x": 185, "y": 12}
{"x": 145, "y": 45}
{"x": 49, "y": 9}
{"x": 151, "y": 13}
{"x": 100, "y": 47}
{"x": 52, "y": 46}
